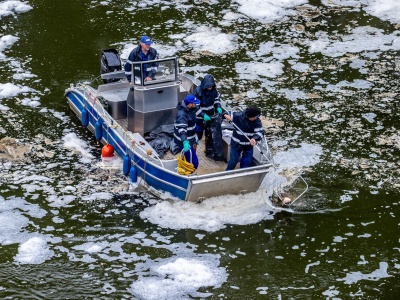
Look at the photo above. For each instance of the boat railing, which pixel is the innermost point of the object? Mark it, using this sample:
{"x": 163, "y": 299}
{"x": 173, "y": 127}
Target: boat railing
{"x": 164, "y": 70}
{"x": 113, "y": 75}
{"x": 124, "y": 134}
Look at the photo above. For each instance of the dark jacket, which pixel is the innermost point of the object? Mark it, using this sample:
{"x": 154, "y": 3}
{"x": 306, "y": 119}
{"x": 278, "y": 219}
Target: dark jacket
{"x": 250, "y": 129}
{"x": 209, "y": 99}
{"x": 149, "y": 70}
{"x": 185, "y": 125}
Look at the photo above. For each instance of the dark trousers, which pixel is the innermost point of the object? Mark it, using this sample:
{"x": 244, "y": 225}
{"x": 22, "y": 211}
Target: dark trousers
{"x": 246, "y": 160}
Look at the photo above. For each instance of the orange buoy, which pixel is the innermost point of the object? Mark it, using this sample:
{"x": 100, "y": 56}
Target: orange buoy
{"x": 107, "y": 150}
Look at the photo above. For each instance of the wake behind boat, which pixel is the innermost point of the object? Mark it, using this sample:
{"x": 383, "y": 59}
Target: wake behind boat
{"x": 122, "y": 114}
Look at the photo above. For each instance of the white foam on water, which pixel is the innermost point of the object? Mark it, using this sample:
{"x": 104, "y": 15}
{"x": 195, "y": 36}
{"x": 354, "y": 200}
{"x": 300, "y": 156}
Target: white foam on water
{"x": 14, "y": 213}
{"x": 364, "y": 38}
{"x": 272, "y": 50}
{"x": 301, "y": 67}
{"x": 253, "y": 70}
{"x": 272, "y": 56}
{"x": 331, "y": 293}
{"x": 72, "y": 142}
{"x": 211, "y": 215}
{"x": 30, "y": 102}
{"x": 359, "y": 65}
{"x": 212, "y": 40}
{"x": 33, "y": 251}
{"x": 198, "y": 38}
{"x": 269, "y": 59}
{"x": 92, "y": 247}
{"x": 4, "y": 108}
{"x": 292, "y": 161}
{"x": 268, "y": 11}
{"x": 11, "y": 7}
{"x": 11, "y": 224}
{"x": 306, "y": 155}
{"x": 356, "y": 84}
{"x": 60, "y": 200}
{"x": 378, "y": 274}
{"x": 370, "y": 117}
{"x": 229, "y": 18}
{"x": 383, "y": 9}
{"x": 252, "y": 94}
{"x": 32, "y": 178}
{"x": 9, "y": 90}
{"x": 114, "y": 162}
{"x": 98, "y": 196}
{"x": 179, "y": 278}
{"x": 6, "y": 41}
{"x": 215, "y": 213}
{"x": 58, "y": 114}
{"x": 294, "y": 94}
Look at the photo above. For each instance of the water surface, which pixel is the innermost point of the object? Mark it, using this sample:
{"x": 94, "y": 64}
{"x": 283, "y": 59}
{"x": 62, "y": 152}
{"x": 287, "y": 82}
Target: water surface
{"x": 327, "y": 70}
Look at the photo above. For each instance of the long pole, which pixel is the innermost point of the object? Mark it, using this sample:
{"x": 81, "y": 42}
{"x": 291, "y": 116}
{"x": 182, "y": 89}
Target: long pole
{"x": 259, "y": 149}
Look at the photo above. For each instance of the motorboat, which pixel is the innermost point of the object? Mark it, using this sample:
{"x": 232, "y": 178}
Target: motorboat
{"x": 122, "y": 114}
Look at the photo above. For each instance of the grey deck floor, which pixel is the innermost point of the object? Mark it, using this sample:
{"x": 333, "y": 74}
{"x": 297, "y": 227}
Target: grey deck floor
{"x": 207, "y": 165}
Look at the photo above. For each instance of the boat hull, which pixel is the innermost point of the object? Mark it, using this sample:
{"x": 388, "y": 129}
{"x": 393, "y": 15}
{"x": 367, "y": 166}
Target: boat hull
{"x": 157, "y": 173}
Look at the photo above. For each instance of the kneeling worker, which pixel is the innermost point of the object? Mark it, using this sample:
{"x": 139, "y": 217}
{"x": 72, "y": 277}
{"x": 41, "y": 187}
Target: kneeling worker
{"x": 247, "y": 131}
{"x": 185, "y": 128}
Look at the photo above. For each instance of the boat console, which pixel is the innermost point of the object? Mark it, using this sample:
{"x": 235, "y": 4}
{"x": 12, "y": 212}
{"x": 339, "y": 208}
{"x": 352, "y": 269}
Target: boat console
{"x": 146, "y": 104}
{"x": 153, "y": 103}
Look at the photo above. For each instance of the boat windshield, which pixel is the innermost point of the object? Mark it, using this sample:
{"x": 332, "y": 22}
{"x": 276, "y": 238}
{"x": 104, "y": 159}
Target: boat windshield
{"x": 160, "y": 70}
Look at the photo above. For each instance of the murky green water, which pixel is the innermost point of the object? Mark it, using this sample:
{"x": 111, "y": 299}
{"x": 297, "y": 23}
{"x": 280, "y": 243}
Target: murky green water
{"x": 330, "y": 72}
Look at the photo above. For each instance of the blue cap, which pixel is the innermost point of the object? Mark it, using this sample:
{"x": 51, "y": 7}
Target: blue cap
{"x": 192, "y": 99}
{"x": 145, "y": 39}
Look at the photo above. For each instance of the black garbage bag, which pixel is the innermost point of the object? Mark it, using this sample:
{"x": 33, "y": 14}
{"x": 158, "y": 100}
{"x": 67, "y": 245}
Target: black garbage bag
{"x": 160, "y": 139}
{"x": 167, "y": 130}
{"x": 213, "y": 133}
{"x": 161, "y": 144}
{"x": 174, "y": 147}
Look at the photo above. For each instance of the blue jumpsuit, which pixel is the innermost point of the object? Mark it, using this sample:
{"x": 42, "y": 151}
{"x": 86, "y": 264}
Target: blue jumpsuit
{"x": 240, "y": 143}
{"x": 185, "y": 129}
{"x": 209, "y": 101}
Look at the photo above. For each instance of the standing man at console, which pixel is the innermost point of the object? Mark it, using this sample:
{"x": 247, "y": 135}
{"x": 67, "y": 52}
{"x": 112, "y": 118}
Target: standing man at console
{"x": 143, "y": 52}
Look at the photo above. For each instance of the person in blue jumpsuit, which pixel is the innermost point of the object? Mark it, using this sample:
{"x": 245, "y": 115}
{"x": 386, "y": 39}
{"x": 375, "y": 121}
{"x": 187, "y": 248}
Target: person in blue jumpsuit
{"x": 143, "y": 52}
{"x": 185, "y": 128}
{"x": 245, "y": 138}
{"x": 210, "y": 103}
